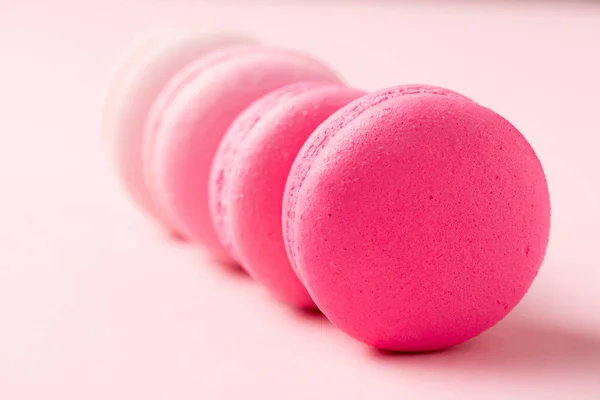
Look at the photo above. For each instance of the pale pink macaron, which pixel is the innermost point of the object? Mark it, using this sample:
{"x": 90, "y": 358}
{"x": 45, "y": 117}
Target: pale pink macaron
{"x": 134, "y": 87}
{"x": 249, "y": 173}
{"x": 416, "y": 218}
{"x": 193, "y": 114}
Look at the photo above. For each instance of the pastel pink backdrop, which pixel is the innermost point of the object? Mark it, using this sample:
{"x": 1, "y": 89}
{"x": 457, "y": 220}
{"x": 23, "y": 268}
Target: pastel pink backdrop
{"x": 97, "y": 304}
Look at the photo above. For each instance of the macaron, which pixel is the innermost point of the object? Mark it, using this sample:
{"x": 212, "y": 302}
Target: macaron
{"x": 249, "y": 173}
{"x": 135, "y": 85}
{"x": 193, "y": 114}
{"x": 416, "y": 218}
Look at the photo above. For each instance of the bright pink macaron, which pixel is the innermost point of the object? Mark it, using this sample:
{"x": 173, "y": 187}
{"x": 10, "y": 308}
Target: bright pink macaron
{"x": 192, "y": 115}
{"x": 416, "y": 218}
{"x": 249, "y": 173}
{"x": 135, "y": 85}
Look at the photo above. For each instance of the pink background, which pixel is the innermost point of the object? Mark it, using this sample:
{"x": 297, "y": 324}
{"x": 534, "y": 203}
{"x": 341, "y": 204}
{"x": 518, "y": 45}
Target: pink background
{"x": 96, "y": 304}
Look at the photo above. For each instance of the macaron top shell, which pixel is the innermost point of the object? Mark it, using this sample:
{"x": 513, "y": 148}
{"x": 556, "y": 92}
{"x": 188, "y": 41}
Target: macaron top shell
{"x": 249, "y": 174}
{"x": 418, "y": 218}
{"x": 192, "y": 125}
{"x": 135, "y": 86}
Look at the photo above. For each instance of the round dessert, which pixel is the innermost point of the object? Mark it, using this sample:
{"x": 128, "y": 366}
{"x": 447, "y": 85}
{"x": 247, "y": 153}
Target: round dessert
{"x": 134, "y": 87}
{"x": 416, "y": 218}
{"x": 192, "y": 116}
{"x": 249, "y": 173}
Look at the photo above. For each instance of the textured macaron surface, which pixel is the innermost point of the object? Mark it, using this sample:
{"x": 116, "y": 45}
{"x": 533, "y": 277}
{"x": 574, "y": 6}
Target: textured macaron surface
{"x": 416, "y": 218}
{"x": 190, "y": 128}
{"x": 136, "y": 85}
{"x": 249, "y": 175}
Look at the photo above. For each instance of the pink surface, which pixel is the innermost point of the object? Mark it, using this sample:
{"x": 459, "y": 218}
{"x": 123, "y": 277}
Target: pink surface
{"x": 95, "y": 304}
{"x": 191, "y": 125}
{"x": 416, "y": 218}
{"x": 136, "y": 84}
{"x": 249, "y": 173}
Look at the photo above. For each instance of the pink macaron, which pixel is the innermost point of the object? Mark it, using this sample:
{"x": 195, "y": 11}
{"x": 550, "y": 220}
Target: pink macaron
{"x": 416, "y": 218}
{"x": 135, "y": 85}
{"x": 192, "y": 115}
{"x": 249, "y": 173}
